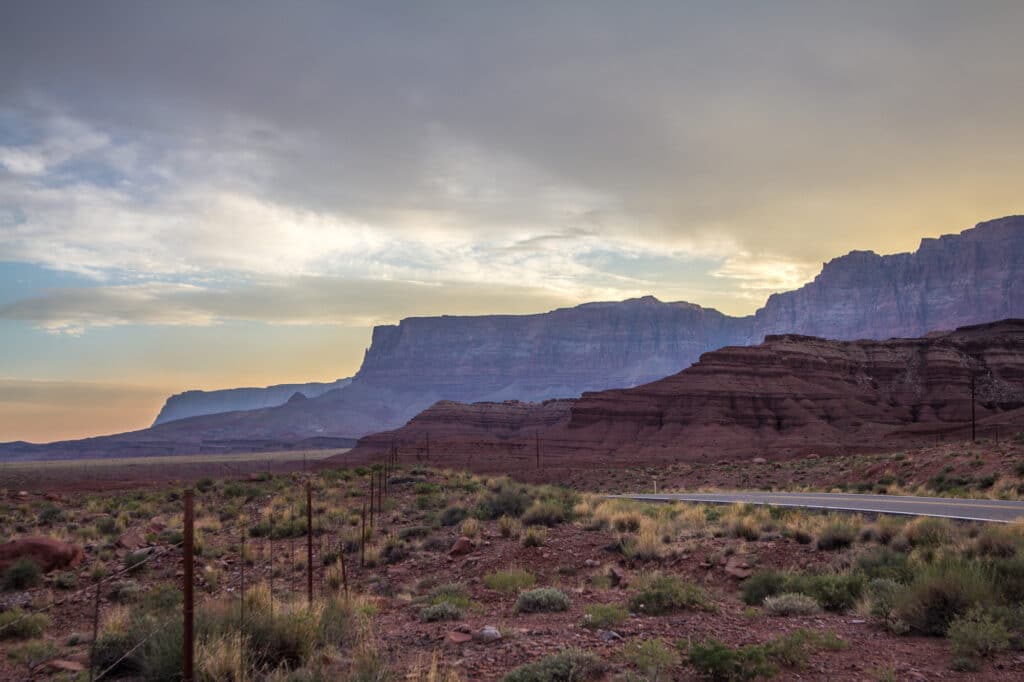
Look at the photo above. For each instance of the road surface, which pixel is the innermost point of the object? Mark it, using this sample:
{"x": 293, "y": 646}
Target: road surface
{"x": 1000, "y": 511}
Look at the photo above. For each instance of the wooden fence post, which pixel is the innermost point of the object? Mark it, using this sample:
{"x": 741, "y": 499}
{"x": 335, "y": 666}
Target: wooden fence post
{"x": 309, "y": 543}
{"x": 188, "y": 674}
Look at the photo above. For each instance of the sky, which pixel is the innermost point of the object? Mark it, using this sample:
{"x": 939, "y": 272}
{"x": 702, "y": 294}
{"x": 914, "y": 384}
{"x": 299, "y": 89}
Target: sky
{"x": 208, "y": 195}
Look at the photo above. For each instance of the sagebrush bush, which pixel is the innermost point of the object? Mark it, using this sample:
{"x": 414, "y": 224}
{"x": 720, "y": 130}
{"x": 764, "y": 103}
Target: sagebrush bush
{"x": 996, "y": 541}
{"x": 453, "y": 516}
{"x": 762, "y": 584}
{"x": 651, "y": 656}
{"x": 509, "y": 527}
{"x": 509, "y": 500}
{"x": 542, "y": 600}
{"x": 791, "y": 604}
{"x": 660, "y": 594}
{"x": 927, "y": 531}
{"x": 569, "y": 665}
{"x": 883, "y": 562}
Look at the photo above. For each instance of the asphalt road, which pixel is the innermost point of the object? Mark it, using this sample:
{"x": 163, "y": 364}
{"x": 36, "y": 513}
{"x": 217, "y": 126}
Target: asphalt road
{"x": 1000, "y": 511}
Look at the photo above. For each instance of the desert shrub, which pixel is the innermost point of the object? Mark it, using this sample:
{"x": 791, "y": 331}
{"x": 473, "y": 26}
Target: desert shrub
{"x": 16, "y": 624}
{"x": 544, "y": 513}
{"x": 719, "y": 662}
{"x": 135, "y": 561}
{"x": 883, "y": 562}
{"x": 836, "y": 535}
{"x": 652, "y": 657}
{"x": 833, "y": 591}
{"x": 941, "y": 592}
{"x": 743, "y": 527}
{"x": 996, "y": 541}
{"x": 881, "y": 597}
{"x": 977, "y": 634}
{"x": 509, "y": 500}
{"x": 450, "y": 593}
{"x": 339, "y": 622}
{"x": 436, "y": 544}
{"x": 470, "y": 527}
{"x": 535, "y": 536}
{"x": 928, "y": 532}
{"x": 509, "y": 527}
{"x": 569, "y": 665}
{"x": 413, "y": 532}
{"x": 106, "y": 525}
{"x": 791, "y": 604}
{"x": 437, "y": 612}
{"x": 602, "y": 616}
{"x": 509, "y": 580}
{"x": 204, "y": 485}
{"x": 1008, "y": 577}
{"x": 763, "y": 584}
{"x": 50, "y": 515}
{"x": 33, "y": 654}
{"x": 542, "y": 600}
{"x": 22, "y": 574}
{"x": 660, "y": 594}
{"x": 453, "y": 516}
{"x": 626, "y": 521}
{"x": 394, "y": 551}
{"x": 645, "y": 546}
{"x": 66, "y": 580}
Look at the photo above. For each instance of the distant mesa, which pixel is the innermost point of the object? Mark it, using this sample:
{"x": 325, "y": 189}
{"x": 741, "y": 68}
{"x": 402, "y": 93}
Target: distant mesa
{"x": 974, "y": 277}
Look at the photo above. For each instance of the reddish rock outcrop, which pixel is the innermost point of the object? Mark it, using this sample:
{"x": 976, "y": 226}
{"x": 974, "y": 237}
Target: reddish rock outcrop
{"x": 49, "y": 554}
{"x": 790, "y": 395}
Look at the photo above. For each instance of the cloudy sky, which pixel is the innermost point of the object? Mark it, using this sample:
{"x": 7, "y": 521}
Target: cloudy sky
{"x": 203, "y": 195}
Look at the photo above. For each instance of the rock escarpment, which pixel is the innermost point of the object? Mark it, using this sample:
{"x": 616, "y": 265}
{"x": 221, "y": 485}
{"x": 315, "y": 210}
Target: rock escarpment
{"x": 197, "y": 403}
{"x": 790, "y": 395}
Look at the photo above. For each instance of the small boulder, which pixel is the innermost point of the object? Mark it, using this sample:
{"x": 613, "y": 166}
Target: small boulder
{"x": 131, "y": 540}
{"x": 618, "y": 577}
{"x": 461, "y": 547}
{"x": 48, "y": 553}
{"x": 759, "y": 460}
{"x": 489, "y": 633}
{"x": 456, "y": 637}
{"x": 738, "y": 568}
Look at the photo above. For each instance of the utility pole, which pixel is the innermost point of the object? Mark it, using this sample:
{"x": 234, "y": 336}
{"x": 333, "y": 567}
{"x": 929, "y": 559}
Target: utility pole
{"x": 973, "y": 393}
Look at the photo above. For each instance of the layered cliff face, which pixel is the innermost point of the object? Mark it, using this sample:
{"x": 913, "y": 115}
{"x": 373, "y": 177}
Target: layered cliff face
{"x": 197, "y": 403}
{"x": 789, "y": 395}
{"x": 973, "y": 277}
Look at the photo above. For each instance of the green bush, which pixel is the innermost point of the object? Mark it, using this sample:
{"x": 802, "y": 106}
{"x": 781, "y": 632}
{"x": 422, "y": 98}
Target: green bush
{"x": 16, "y": 624}
{"x": 996, "y": 541}
{"x": 50, "y": 515}
{"x": 569, "y": 665}
{"x": 510, "y": 580}
{"x": 542, "y": 600}
{"x": 719, "y": 662}
{"x": 510, "y": 500}
{"x": 1008, "y": 577}
{"x": 977, "y": 634}
{"x": 833, "y": 591}
{"x": 761, "y": 585}
{"x": 883, "y": 596}
{"x": 940, "y": 593}
{"x": 455, "y": 594}
{"x": 453, "y": 516}
{"x": 883, "y": 562}
{"x": 927, "y": 531}
{"x": 602, "y": 616}
{"x": 652, "y": 657}
{"x": 661, "y": 594}
{"x": 22, "y": 575}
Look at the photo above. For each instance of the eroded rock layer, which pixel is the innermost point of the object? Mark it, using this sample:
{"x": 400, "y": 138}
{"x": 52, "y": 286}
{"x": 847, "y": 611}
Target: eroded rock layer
{"x": 790, "y": 395}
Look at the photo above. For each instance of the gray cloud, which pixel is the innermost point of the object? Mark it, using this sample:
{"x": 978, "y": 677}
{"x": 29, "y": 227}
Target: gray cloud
{"x": 308, "y": 300}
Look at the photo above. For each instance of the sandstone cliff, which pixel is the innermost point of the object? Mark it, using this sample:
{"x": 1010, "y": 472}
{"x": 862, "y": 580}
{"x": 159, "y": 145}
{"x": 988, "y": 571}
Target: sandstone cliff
{"x": 790, "y": 395}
